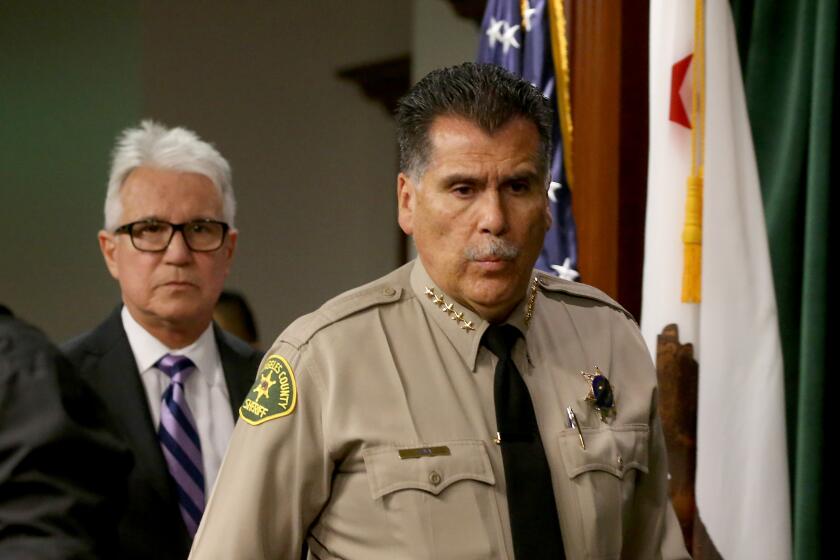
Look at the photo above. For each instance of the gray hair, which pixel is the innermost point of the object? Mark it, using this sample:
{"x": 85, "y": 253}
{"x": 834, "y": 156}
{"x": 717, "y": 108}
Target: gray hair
{"x": 484, "y": 94}
{"x": 177, "y": 149}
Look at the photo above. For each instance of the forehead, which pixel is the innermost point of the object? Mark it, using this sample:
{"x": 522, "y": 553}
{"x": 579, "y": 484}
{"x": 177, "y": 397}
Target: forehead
{"x": 149, "y": 192}
{"x": 456, "y": 141}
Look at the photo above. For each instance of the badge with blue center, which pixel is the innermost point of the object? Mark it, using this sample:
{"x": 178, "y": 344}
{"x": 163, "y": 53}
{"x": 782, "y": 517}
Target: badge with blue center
{"x": 600, "y": 393}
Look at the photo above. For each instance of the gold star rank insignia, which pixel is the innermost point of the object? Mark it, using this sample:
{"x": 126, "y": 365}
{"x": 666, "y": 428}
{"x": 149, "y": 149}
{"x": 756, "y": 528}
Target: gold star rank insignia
{"x": 449, "y": 308}
{"x": 274, "y": 390}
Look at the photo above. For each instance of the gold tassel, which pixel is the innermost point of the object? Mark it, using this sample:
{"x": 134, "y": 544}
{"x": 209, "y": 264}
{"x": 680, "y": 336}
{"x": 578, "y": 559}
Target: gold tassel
{"x": 692, "y": 237}
{"x": 560, "y": 54}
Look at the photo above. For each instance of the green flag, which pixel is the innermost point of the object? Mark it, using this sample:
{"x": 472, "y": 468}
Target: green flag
{"x": 788, "y": 51}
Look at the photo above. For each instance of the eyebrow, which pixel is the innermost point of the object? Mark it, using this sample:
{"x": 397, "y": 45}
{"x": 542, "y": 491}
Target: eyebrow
{"x": 157, "y": 218}
{"x": 469, "y": 179}
{"x": 454, "y": 178}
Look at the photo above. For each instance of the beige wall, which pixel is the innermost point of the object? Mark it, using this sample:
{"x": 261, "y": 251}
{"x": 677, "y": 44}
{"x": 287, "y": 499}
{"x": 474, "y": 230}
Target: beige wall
{"x": 69, "y": 82}
{"x": 440, "y": 37}
{"x": 314, "y": 161}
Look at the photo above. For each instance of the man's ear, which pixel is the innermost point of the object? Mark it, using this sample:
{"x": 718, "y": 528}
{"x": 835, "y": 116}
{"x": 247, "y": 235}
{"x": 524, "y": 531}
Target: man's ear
{"x": 108, "y": 246}
{"x": 406, "y": 193}
{"x": 229, "y": 248}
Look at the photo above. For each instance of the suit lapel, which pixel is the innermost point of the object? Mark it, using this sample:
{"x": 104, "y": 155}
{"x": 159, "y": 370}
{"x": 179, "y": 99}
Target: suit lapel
{"x": 239, "y": 369}
{"x": 119, "y": 383}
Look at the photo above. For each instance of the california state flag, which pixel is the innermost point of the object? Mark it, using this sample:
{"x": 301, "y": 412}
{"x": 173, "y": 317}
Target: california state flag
{"x": 742, "y": 477}
{"x": 669, "y": 165}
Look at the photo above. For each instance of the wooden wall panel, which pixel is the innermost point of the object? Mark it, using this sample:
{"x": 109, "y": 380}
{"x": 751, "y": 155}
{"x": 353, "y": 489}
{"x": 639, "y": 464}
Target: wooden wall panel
{"x": 594, "y": 37}
{"x": 608, "y": 58}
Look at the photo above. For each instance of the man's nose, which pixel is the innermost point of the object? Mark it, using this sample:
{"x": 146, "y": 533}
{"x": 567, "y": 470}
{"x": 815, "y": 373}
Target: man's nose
{"x": 493, "y": 212}
{"x": 178, "y": 251}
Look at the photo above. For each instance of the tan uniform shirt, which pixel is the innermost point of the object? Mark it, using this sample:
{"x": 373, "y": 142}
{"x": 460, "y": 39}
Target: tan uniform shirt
{"x": 387, "y": 367}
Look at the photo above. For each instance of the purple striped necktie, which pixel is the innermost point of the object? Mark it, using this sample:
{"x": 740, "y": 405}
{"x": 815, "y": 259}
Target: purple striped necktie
{"x": 179, "y": 440}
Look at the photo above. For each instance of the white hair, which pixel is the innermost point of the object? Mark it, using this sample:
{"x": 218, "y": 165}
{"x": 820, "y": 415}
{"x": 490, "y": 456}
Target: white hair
{"x": 178, "y": 149}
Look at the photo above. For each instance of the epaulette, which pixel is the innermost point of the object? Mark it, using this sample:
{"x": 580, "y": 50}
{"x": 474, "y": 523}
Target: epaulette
{"x": 384, "y": 290}
{"x": 552, "y": 284}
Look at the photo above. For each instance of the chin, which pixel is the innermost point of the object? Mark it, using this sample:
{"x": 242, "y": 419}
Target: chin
{"x": 491, "y": 296}
{"x": 184, "y": 312}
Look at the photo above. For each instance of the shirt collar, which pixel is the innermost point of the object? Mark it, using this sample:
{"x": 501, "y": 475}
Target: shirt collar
{"x": 148, "y": 350}
{"x": 454, "y": 319}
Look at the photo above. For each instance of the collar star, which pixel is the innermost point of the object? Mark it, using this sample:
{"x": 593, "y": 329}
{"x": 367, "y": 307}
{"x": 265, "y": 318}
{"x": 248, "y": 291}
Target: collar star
{"x": 532, "y": 300}
{"x": 449, "y": 308}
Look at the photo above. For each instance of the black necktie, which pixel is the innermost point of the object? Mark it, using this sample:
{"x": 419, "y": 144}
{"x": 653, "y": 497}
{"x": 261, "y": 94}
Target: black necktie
{"x": 533, "y": 512}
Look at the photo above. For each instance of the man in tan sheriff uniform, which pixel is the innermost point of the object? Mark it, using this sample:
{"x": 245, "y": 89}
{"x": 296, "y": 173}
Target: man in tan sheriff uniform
{"x": 371, "y": 431}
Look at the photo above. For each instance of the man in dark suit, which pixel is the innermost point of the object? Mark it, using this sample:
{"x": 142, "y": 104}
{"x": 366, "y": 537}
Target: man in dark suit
{"x": 62, "y": 469}
{"x": 172, "y": 380}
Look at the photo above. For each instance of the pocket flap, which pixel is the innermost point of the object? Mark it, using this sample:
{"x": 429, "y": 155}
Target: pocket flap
{"x": 388, "y": 472}
{"x": 613, "y": 449}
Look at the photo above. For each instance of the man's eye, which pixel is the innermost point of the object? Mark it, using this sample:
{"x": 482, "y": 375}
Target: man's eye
{"x": 462, "y": 190}
{"x": 520, "y": 187}
{"x": 197, "y": 227}
{"x": 148, "y": 229}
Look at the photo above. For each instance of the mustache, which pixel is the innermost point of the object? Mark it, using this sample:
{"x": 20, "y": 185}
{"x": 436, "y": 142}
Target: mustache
{"x": 493, "y": 248}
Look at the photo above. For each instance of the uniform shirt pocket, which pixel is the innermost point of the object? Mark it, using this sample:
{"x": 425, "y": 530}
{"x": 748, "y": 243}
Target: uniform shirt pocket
{"x": 611, "y": 449}
{"x": 435, "y": 495}
{"x": 389, "y": 472}
{"x": 603, "y": 477}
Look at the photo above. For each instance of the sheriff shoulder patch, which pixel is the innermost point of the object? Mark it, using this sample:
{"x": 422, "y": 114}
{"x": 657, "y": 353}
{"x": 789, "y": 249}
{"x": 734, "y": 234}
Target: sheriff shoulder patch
{"x": 274, "y": 393}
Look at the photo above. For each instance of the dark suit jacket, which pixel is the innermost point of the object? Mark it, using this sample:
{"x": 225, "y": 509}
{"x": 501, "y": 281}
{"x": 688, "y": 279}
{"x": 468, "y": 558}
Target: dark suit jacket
{"x": 62, "y": 468}
{"x": 152, "y": 526}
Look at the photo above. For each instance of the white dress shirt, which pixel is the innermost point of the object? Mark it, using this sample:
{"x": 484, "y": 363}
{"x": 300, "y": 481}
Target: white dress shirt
{"x": 206, "y": 391}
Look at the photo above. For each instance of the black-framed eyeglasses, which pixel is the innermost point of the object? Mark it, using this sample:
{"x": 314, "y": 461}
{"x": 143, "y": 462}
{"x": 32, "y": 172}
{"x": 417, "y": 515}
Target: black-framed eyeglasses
{"x": 154, "y": 236}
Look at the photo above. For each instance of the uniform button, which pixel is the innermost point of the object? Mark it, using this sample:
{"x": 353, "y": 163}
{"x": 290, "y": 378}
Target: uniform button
{"x": 389, "y": 291}
{"x": 434, "y": 477}
{"x": 620, "y": 463}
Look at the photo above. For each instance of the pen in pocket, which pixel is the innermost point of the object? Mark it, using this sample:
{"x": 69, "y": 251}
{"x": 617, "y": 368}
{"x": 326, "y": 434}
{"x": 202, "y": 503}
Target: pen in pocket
{"x": 573, "y": 423}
